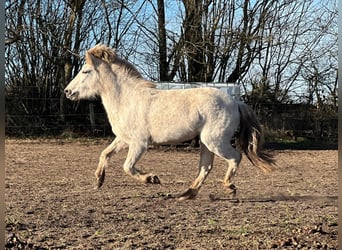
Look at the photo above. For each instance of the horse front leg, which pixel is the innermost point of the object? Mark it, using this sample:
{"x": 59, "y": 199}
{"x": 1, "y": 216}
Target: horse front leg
{"x": 134, "y": 154}
{"x": 205, "y": 165}
{"x": 114, "y": 147}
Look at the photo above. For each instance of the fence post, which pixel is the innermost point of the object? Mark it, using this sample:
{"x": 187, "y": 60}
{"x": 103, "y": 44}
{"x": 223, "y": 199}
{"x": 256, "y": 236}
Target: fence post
{"x": 92, "y": 115}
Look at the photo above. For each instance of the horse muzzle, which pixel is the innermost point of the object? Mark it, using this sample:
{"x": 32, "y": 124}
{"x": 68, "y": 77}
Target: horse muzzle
{"x": 72, "y": 95}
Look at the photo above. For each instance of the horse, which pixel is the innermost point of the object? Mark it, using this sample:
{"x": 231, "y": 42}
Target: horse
{"x": 141, "y": 115}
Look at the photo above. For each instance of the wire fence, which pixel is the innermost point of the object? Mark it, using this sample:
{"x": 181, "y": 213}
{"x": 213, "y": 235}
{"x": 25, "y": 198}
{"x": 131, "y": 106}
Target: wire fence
{"x": 74, "y": 124}
{"x": 38, "y": 116}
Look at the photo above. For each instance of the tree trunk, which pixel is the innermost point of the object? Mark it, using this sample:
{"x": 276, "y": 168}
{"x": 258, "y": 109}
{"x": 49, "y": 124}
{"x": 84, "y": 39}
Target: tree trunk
{"x": 194, "y": 40}
{"x": 163, "y": 65}
{"x": 76, "y": 10}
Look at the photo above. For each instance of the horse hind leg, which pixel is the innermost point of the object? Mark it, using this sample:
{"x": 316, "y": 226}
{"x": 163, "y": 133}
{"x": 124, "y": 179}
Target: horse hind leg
{"x": 233, "y": 164}
{"x": 233, "y": 159}
{"x": 205, "y": 165}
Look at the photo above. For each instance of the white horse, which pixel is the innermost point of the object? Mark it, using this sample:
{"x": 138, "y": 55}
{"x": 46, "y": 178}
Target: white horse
{"x": 141, "y": 115}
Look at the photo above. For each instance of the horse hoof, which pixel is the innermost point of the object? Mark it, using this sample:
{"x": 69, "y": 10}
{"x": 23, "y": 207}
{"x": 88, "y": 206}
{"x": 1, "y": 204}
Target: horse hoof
{"x": 152, "y": 179}
{"x": 98, "y": 184}
{"x": 232, "y": 187}
{"x": 99, "y": 181}
{"x": 232, "y": 190}
{"x": 188, "y": 195}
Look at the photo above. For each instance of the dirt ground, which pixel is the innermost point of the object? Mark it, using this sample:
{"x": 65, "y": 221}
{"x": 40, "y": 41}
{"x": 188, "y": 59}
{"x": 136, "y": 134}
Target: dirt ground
{"x": 51, "y": 203}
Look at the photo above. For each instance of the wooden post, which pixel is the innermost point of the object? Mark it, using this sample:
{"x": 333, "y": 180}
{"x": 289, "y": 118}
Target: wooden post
{"x": 92, "y": 115}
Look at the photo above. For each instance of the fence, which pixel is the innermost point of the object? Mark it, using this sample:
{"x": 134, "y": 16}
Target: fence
{"x": 25, "y": 117}
{"x": 229, "y": 88}
{"x": 294, "y": 121}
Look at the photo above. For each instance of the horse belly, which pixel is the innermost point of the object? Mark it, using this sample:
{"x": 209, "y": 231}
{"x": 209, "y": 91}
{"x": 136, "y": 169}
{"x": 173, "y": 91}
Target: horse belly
{"x": 177, "y": 129}
{"x": 172, "y": 137}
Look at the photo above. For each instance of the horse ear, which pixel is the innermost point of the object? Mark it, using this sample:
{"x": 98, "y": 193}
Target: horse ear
{"x": 100, "y": 52}
{"x": 88, "y": 58}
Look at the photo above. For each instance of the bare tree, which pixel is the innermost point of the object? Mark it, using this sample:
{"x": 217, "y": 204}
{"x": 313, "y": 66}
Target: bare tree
{"x": 43, "y": 44}
{"x": 40, "y": 61}
{"x": 218, "y": 40}
{"x": 319, "y": 62}
{"x": 294, "y": 43}
{"x": 274, "y": 49}
{"x": 278, "y": 65}
{"x": 163, "y": 64}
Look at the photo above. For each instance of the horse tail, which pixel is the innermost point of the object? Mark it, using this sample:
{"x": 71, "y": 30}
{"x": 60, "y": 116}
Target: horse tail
{"x": 250, "y": 139}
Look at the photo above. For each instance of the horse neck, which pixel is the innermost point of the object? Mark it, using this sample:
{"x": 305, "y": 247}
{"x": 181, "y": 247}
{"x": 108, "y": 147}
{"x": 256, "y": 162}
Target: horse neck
{"x": 116, "y": 92}
{"x": 110, "y": 94}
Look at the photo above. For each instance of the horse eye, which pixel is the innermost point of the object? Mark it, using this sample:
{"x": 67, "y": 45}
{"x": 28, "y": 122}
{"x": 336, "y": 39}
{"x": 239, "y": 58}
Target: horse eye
{"x": 85, "y": 71}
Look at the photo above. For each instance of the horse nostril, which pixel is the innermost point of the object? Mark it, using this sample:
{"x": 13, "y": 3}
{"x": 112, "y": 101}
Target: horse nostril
{"x": 70, "y": 94}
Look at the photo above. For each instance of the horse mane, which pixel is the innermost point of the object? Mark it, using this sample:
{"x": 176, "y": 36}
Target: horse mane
{"x": 108, "y": 55}
{"x": 147, "y": 84}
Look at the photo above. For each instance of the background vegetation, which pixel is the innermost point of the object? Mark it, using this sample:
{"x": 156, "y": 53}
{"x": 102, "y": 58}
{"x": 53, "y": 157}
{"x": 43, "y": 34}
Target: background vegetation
{"x": 283, "y": 54}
